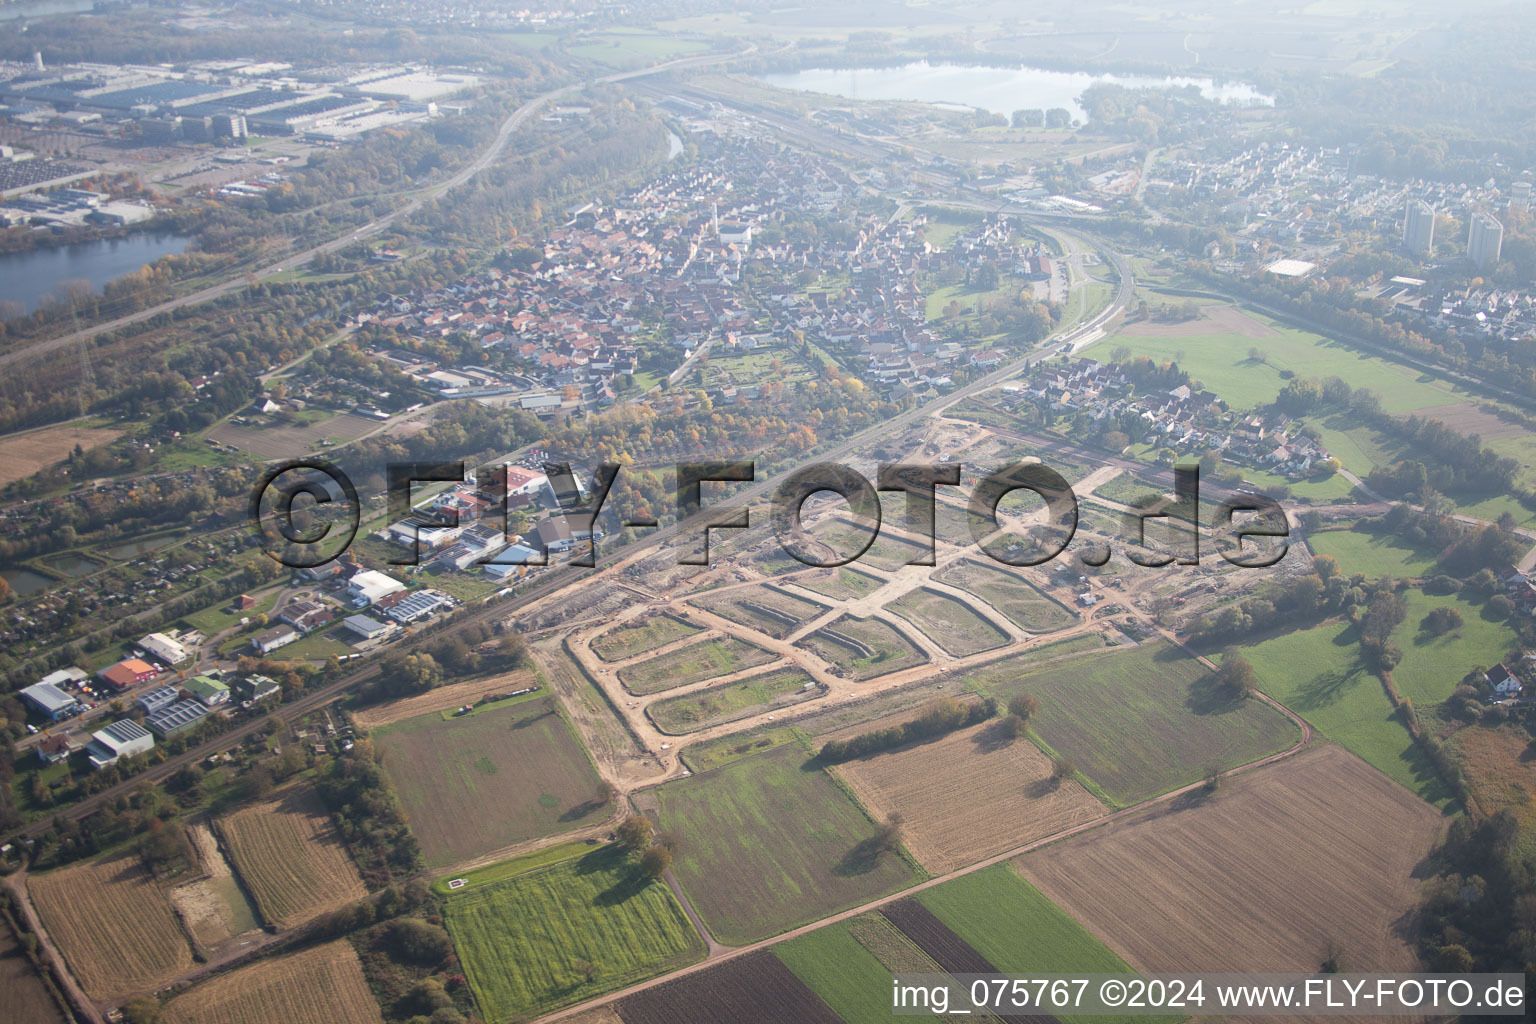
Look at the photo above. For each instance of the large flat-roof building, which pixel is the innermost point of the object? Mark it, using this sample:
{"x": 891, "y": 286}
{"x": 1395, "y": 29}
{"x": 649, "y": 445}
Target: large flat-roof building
{"x": 160, "y": 646}
{"x": 160, "y": 697}
{"x": 50, "y": 701}
{"x": 120, "y": 739}
{"x": 370, "y": 585}
{"x": 175, "y": 718}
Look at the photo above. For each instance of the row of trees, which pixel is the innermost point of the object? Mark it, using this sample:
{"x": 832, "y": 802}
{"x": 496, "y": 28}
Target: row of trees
{"x": 945, "y": 716}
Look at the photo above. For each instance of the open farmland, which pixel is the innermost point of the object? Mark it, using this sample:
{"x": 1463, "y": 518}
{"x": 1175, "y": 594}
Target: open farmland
{"x": 640, "y": 635}
{"x": 290, "y": 858}
{"x": 1140, "y": 722}
{"x": 771, "y": 842}
{"x": 144, "y": 948}
{"x": 843, "y": 972}
{"x": 947, "y": 622}
{"x": 767, "y": 691}
{"x": 21, "y": 455}
{"x": 1009, "y": 593}
{"x": 322, "y": 983}
{"x": 710, "y": 658}
{"x": 841, "y": 584}
{"x": 1316, "y": 850}
{"x": 952, "y": 953}
{"x": 1011, "y": 924}
{"x": 26, "y": 994}
{"x": 769, "y": 611}
{"x": 753, "y": 989}
{"x": 525, "y": 940}
{"x": 1318, "y": 674}
{"x": 1500, "y": 777}
{"x": 863, "y": 648}
{"x": 968, "y": 795}
{"x": 443, "y": 698}
{"x": 470, "y": 786}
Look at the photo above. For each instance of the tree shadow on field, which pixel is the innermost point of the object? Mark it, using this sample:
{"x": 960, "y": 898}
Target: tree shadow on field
{"x": 604, "y": 858}
{"x": 581, "y": 810}
{"x": 1208, "y": 696}
{"x": 993, "y": 738}
{"x": 1326, "y": 688}
{"x": 629, "y": 885}
{"x": 1043, "y": 787}
{"x": 862, "y": 859}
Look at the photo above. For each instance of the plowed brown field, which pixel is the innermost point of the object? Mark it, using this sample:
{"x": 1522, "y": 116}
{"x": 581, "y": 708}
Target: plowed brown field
{"x": 114, "y": 925}
{"x": 968, "y": 795}
{"x": 290, "y": 858}
{"x": 1316, "y": 850}
{"x": 324, "y": 983}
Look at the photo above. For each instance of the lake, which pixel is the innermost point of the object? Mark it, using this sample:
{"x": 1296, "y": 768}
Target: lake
{"x": 27, "y": 277}
{"x": 1000, "y": 90}
{"x": 24, "y": 581}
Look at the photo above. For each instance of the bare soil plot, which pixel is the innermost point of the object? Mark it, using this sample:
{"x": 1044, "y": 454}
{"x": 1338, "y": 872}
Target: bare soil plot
{"x": 27, "y": 1000}
{"x": 753, "y": 989}
{"x": 863, "y": 648}
{"x": 1263, "y": 876}
{"x": 1009, "y": 593}
{"x": 443, "y": 698}
{"x": 470, "y": 786}
{"x": 212, "y": 907}
{"x": 949, "y": 951}
{"x": 290, "y": 441}
{"x": 290, "y": 857}
{"x": 640, "y": 635}
{"x": 21, "y": 455}
{"x": 769, "y": 611}
{"x": 142, "y": 948}
{"x": 322, "y": 983}
{"x": 968, "y": 795}
{"x": 1218, "y": 319}
{"x": 948, "y": 623}
{"x": 744, "y": 698}
{"x": 707, "y": 659}
{"x": 1469, "y": 418}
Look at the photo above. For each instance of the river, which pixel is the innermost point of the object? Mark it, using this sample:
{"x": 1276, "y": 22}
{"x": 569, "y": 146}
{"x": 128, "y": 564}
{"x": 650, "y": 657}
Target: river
{"x": 28, "y": 277}
{"x": 1000, "y": 90}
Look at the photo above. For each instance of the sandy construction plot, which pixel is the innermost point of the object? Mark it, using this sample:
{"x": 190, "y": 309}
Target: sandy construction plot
{"x": 21, "y": 455}
{"x": 1317, "y": 849}
{"x": 968, "y": 795}
{"x": 443, "y": 698}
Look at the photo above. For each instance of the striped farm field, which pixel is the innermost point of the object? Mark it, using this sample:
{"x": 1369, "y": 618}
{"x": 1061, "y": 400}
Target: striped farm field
{"x": 322, "y": 983}
{"x": 290, "y": 858}
{"x": 144, "y": 947}
{"x": 527, "y": 942}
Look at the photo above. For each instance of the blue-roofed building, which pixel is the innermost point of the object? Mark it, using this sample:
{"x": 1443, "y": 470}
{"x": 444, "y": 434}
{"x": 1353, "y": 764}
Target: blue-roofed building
{"x": 51, "y": 701}
{"x": 120, "y": 739}
{"x": 160, "y": 697}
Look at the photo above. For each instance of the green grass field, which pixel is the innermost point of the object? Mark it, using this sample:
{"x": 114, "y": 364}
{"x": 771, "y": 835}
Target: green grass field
{"x": 632, "y": 48}
{"x": 472, "y": 785}
{"x": 643, "y": 634}
{"x": 1139, "y": 722}
{"x": 1374, "y": 554}
{"x": 847, "y": 977}
{"x": 742, "y": 699}
{"x": 1432, "y": 666}
{"x": 1220, "y": 361}
{"x": 1018, "y": 929}
{"x": 525, "y": 940}
{"x": 707, "y": 659}
{"x": 771, "y": 842}
{"x": 844, "y": 584}
{"x": 1317, "y": 673}
{"x": 947, "y": 622}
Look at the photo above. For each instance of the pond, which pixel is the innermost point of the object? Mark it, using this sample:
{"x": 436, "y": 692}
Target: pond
{"x": 133, "y": 549}
{"x": 24, "y": 581}
{"x": 1000, "y": 90}
{"x": 73, "y": 565}
{"x": 29, "y": 277}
